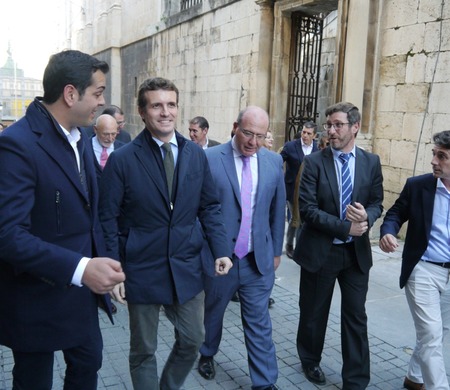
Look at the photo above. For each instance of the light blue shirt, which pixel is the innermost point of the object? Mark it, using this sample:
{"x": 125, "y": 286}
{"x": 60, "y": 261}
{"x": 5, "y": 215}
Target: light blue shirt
{"x": 439, "y": 242}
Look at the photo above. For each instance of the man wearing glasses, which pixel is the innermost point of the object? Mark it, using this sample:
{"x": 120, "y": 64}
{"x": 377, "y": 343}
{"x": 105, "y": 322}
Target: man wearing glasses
{"x": 340, "y": 198}
{"x": 115, "y": 111}
{"x": 250, "y": 183}
{"x": 104, "y": 142}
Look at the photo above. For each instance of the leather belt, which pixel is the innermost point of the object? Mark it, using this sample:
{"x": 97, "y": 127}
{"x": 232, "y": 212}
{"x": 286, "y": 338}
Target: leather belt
{"x": 444, "y": 265}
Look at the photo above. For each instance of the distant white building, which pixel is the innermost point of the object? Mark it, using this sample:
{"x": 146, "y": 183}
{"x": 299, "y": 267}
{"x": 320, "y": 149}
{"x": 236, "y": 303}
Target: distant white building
{"x": 16, "y": 91}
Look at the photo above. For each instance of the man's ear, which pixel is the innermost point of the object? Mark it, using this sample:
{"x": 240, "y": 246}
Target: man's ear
{"x": 70, "y": 94}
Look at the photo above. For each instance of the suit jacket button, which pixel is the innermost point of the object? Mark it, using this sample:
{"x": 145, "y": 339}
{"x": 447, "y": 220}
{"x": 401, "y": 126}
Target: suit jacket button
{"x": 87, "y": 206}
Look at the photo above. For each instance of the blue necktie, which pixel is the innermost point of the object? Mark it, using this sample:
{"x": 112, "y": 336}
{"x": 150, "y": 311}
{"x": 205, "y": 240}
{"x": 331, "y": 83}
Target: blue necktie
{"x": 346, "y": 183}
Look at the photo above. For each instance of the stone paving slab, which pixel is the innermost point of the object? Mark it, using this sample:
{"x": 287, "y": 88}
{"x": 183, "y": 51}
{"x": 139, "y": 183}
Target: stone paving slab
{"x": 391, "y": 337}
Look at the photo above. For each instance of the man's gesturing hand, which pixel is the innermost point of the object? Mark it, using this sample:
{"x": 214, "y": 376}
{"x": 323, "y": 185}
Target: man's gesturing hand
{"x": 102, "y": 274}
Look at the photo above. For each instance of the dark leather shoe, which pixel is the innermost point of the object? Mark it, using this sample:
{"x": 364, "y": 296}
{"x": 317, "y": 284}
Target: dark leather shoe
{"x": 235, "y": 298}
{"x": 289, "y": 251}
{"x": 271, "y": 302}
{"x": 410, "y": 385}
{"x": 314, "y": 374}
{"x": 206, "y": 367}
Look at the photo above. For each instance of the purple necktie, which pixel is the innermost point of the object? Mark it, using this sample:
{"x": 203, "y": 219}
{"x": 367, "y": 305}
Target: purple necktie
{"x": 241, "y": 248}
{"x": 103, "y": 157}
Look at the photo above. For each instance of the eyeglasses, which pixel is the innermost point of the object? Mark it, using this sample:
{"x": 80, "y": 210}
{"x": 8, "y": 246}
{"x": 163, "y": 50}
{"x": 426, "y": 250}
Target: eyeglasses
{"x": 336, "y": 126}
{"x": 108, "y": 134}
{"x": 120, "y": 123}
{"x": 249, "y": 134}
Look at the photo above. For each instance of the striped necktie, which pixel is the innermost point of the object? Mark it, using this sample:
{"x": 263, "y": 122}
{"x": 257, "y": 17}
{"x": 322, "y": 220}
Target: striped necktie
{"x": 346, "y": 183}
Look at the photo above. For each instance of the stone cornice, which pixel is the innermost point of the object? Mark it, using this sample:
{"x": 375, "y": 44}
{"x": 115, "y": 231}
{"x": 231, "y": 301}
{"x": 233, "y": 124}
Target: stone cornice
{"x": 265, "y": 3}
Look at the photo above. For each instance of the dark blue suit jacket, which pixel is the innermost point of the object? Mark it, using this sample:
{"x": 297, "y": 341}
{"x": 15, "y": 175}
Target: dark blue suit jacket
{"x": 415, "y": 204}
{"x": 319, "y": 205}
{"x": 293, "y": 156}
{"x": 158, "y": 239}
{"x": 48, "y": 222}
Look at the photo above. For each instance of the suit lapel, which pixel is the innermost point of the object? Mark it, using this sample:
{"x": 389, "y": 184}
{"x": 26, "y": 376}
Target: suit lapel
{"x": 330, "y": 172}
{"x": 149, "y": 159}
{"x": 428, "y": 193}
{"x": 182, "y": 170}
{"x": 360, "y": 171}
{"x": 263, "y": 166}
{"x": 229, "y": 166}
{"x": 60, "y": 150}
{"x": 299, "y": 150}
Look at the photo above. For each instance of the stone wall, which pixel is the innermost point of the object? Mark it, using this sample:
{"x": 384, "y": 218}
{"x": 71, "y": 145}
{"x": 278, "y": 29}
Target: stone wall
{"x": 226, "y": 54}
{"x": 212, "y": 57}
{"x": 414, "y": 88}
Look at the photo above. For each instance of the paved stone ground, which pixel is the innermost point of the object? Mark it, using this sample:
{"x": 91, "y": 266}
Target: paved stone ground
{"x": 391, "y": 336}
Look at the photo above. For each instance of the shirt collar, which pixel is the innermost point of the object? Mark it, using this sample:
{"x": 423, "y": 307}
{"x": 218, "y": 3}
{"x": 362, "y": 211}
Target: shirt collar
{"x": 337, "y": 153}
{"x": 173, "y": 141}
{"x": 440, "y": 186}
{"x": 73, "y": 136}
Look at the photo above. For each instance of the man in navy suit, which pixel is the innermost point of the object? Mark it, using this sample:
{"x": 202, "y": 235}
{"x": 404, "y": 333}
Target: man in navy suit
{"x": 104, "y": 141}
{"x": 334, "y": 245}
{"x": 293, "y": 154}
{"x": 253, "y": 272}
{"x": 157, "y": 195}
{"x": 50, "y": 236}
{"x": 424, "y": 203}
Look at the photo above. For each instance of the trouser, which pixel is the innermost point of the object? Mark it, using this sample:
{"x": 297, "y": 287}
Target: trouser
{"x": 428, "y": 294}
{"x": 34, "y": 371}
{"x": 254, "y": 292}
{"x": 187, "y": 320}
{"x": 316, "y": 292}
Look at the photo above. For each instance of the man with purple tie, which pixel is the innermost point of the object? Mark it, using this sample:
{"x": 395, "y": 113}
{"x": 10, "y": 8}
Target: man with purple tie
{"x": 251, "y": 189}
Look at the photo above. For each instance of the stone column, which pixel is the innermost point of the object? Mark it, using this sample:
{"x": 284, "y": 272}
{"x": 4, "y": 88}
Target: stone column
{"x": 261, "y": 87}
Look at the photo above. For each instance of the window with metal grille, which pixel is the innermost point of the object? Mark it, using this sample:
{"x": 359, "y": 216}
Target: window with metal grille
{"x": 186, "y": 4}
{"x": 304, "y": 71}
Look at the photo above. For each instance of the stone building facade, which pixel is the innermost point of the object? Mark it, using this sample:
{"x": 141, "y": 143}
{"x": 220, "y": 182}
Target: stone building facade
{"x": 388, "y": 57}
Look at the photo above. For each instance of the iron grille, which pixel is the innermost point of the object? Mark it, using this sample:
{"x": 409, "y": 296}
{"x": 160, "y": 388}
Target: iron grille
{"x": 186, "y": 4}
{"x": 304, "y": 72}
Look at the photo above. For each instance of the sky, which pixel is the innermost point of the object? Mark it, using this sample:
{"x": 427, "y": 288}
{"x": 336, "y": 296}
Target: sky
{"x": 33, "y": 29}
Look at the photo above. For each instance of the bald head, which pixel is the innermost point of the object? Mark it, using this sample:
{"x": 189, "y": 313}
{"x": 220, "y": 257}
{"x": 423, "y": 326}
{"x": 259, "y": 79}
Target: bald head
{"x": 250, "y": 129}
{"x": 106, "y": 130}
